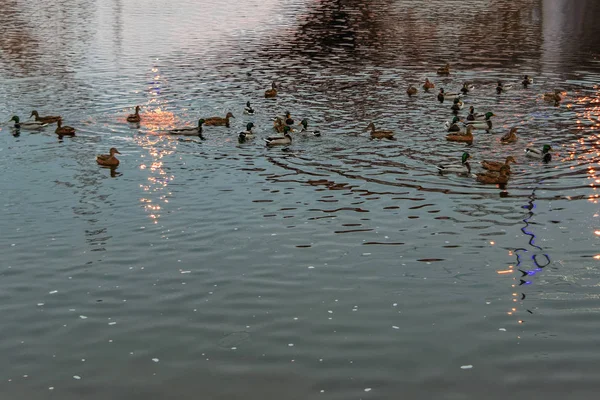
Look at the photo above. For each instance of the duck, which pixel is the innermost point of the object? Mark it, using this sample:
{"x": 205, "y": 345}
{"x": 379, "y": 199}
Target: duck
{"x": 270, "y": 93}
{"x": 472, "y": 116}
{"x": 247, "y": 134}
{"x": 461, "y": 136}
{"x": 553, "y": 97}
{"x": 543, "y": 154}
{"x": 189, "y": 131}
{"x": 411, "y": 91}
{"x": 463, "y": 168}
{"x": 526, "y": 81}
{"x": 305, "y": 130}
{"x": 452, "y": 126}
{"x": 218, "y": 121}
{"x": 496, "y": 165}
{"x": 500, "y": 177}
{"x": 136, "y": 116}
{"x": 248, "y": 110}
{"x": 30, "y": 125}
{"x": 457, "y": 105}
{"x": 485, "y": 124}
{"x": 49, "y": 119}
{"x": 442, "y": 95}
{"x": 64, "y": 130}
{"x": 428, "y": 85}
{"x": 108, "y": 160}
{"x": 383, "y": 134}
{"x": 279, "y": 122}
{"x": 510, "y": 137}
{"x": 279, "y": 140}
{"x": 502, "y": 87}
{"x": 467, "y": 87}
{"x": 445, "y": 70}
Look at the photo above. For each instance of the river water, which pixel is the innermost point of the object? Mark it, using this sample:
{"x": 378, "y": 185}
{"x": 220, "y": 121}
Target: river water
{"x": 339, "y": 268}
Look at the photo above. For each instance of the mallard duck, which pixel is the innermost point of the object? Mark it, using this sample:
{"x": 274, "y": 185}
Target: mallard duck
{"x": 466, "y": 88}
{"x": 463, "y": 168}
{"x": 49, "y": 119}
{"x": 457, "y": 105}
{"x": 526, "y": 81}
{"x": 460, "y": 136}
{"x": 510, "y": 137}
{"x": 383, "y": 134}
{"x": 64, "y": 130}
{"x": 445, "y": 70}
{"x": 108, "y": 160}
{"x": 411, "y": 91}
{"x": 472, "y": 116}
{"x": 270, "y": 93}
{"x": 218, "y": 121}
{"x": 136, "y": 116}
{"x": 543, "y": 154}
{"x": 428, "y": 85}
{"x": 30, "y": 125}
{"x": 305, "y": 131}
{"x": 248, "y": 110}
{"x": 553, "y": 97}
{"x": 279, "y": 122}
{"x": 501, "y": 87}
{"x": 247, "y": 134}
{"x": 496, "y": 165}
{"x": 500, "y": 177}
{"x": 442, "y": 95}
{"x": 189, "y": 131}
{"x": 452, "y": 126}
{"x": 485, "y": 124}
{"x": 278, "y": 140}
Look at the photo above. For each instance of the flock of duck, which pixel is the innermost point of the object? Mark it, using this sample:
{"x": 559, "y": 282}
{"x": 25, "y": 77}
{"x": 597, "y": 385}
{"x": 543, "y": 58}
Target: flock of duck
{"x": 459, "y": 129}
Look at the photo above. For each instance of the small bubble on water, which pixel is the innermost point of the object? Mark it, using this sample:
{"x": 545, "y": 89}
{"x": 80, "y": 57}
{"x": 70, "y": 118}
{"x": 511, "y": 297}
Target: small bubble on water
{"x": 368, "y": 389}
{"x": 155, "y": 360}
{"x": 76, "y": 377}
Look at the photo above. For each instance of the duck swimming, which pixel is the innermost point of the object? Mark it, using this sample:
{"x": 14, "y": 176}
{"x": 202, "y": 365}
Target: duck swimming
{"x": 457, "y": 105}
{"x": 108, "y": 160}
{"x": 500, "y": 177}
{"x": 463, "y": 168}
{"x": 136, "y": 116}
{"x": 428, "y": 85}
{"x": 486, "y": 124}
{"x": 553, "y": 97}
{"x": 411, "y": 91}
{"x": 510, "y": 137}
{"x": 445, "y": 70}
{"x": 453, "y": 126}
{"x": 467, "y": 87}
{"x": 189, "y": 131}
{"x": 218, "y": 121}
{"x": 526, "y": 81}
{"x": 543, "y": 154}
{"x": 50, "y": 119}
{"x": 248, "y": 110}
{"x": 30, "y": 125}
{"x": 64, "y": 130}
{"x": 460, "y": 136}
{"x": 305, "y": 131}
{"x": 278, "y": 140}
{"x": 497, "y": 165}
{"x": 381, "y": 134}
{"x": 247, "y": 134}
{"x": 270, "y": 93}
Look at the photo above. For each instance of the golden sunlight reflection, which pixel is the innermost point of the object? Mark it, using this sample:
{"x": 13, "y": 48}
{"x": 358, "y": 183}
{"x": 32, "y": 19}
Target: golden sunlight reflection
{"x": 154, "y": 118}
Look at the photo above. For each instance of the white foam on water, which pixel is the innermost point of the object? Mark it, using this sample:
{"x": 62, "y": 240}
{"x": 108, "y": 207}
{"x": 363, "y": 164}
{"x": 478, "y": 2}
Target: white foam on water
{"x": 76, "y": 377}
{"x": 368, "y": 389}
{"x": 52, "y": 292}
{"x": 155, "y": 360}
{"x": 82, "y": 317}
{"x": 466, "y": 366}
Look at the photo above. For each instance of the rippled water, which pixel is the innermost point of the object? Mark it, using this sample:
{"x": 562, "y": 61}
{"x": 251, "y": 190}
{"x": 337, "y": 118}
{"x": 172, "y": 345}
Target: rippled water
{"x": 343, "y": 268}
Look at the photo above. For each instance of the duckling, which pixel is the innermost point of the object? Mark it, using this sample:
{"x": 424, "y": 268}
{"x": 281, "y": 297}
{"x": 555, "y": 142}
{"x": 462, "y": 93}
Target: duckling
{"x": 467, "y": 87}
{"x": 461, "y": 137}
{"x": 526, "y": 81}
{"x": 50, "y": 119}
{"x": 463, "y": 168}
{"x": 189, "y": 131}
{"x": 248, "y": 110}
{"x": 278, "y": 140}
{"x": 543, "y": 154}
{"x": 64, "y": 130}
{"x": 218, "y": 121}
{"x": 445, "y": 70}
{"x": 383, "y": 134}
{"x": 496, "y": 165}
{"x": 135, "y": 117}
{"x": 428, "y": 85}
{"x": 270, "y": 93}
{"x": 510, "y": 137}
{"x": 247, "y": 134}
{"x": 305, "y": 130}
{"x": 553, "y": 97}
{"x": 31, "y": 125}
{"x": 411, "y": 91}
{"x": 108, "y": 160}
{"x": 500, "y": 177}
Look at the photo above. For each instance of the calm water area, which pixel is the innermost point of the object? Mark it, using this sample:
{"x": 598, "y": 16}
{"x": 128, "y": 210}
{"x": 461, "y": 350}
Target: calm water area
{"x": 337, "y": 268}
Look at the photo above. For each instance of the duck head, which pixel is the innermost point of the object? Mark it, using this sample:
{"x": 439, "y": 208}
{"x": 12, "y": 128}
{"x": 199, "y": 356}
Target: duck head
{"x": 249, "y": 126}
{"x": 510, "y": 159}
{"x": 465, "y": 157}
{"x": 14, "y": 118}
{"x": 547, "y": 148}
{"x": 304, "y": 123}
{"x": 229, "y": 115}
{"x": 113, "y": 151}
{"x": 34, "y": 113}
{"x": 489, "y": 115}
{"x": 200, "y": 122}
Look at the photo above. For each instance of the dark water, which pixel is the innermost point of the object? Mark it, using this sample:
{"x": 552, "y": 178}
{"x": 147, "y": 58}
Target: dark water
{"x": 343, "y": 268}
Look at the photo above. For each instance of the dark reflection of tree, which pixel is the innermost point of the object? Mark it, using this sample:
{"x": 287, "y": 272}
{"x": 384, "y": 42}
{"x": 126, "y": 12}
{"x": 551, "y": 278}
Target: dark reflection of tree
{"x": 532, "y": 260}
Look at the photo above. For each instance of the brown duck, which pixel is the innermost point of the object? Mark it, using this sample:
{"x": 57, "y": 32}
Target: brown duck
{"x": 218, "y": 121}
{"x": 411, "y": 91}
{"x": 497, "y": 165}
{"x": 500, "y": 177}
{"x": 270, "y": 93}
{"x": 510, "y": 137}
{"x": 136, "y": 116}
{"x": 382, "y": 134}
{"x": 428, "y": 84}
{"x": 461, "y": 137}
{"x": 49, "y": 119}
{"x": 64, "y": 130}
{"x": 445, "y": 70}
{"x": 108, "y": 160}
